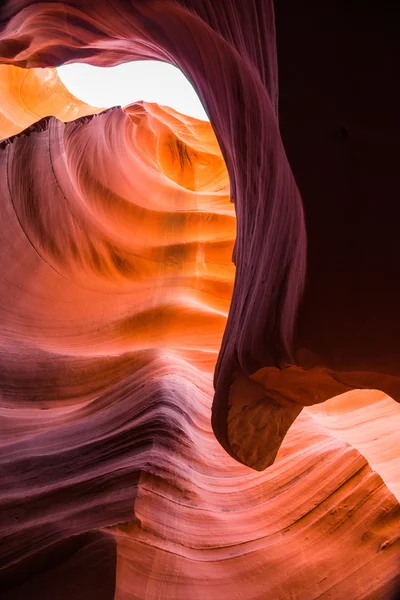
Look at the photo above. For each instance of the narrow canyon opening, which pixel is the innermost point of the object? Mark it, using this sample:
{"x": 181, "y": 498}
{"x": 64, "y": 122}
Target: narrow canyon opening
{"x": 123, "y": 84}
{"x": 143, "y": 372}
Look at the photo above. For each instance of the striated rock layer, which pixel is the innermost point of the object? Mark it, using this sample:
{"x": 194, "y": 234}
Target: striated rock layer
{"x": 228, "y": 51}
{"x": 27, "y": 95}
{"x": 118, "y": 291}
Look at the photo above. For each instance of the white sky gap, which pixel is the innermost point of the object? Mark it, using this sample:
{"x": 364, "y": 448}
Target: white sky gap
{"x": 151, "y": 81}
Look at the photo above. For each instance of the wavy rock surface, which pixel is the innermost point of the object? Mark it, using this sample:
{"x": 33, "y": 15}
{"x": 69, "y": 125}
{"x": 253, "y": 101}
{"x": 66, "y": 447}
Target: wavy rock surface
{"x": 28, "y": 95}
{"x": 370, "y": 422}
{"x": 273, "y": 329}
{"x": 117, "y": 236}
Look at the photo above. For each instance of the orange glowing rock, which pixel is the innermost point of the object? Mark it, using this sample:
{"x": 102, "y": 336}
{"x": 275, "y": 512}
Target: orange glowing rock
{"x": 28, "y": 95}
{"x": 117, "y": 231}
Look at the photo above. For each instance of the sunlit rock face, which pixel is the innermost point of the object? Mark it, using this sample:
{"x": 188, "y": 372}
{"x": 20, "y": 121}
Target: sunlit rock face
{"x": 27, "y": 95}
{"x": 127, "y": 282}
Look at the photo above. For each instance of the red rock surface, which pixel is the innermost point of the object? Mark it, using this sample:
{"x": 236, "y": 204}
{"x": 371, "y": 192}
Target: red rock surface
{"x": 118, "y": 294}
{"x": 27, "y": 95}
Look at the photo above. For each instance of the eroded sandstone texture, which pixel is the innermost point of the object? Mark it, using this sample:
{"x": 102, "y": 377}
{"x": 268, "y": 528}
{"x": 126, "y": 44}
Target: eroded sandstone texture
{"x": 127, "y": 281}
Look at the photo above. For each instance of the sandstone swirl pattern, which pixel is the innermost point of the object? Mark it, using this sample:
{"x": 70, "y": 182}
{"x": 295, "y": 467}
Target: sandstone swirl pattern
{"x": 117, "y": 237}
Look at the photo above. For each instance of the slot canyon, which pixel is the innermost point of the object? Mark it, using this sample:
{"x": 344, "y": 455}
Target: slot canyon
{"x": 199, "y": 328}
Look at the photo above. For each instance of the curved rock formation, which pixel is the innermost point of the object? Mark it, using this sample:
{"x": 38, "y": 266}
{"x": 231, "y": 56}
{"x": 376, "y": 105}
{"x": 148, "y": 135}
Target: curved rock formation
{"x": 270, "y": 252}
{"x": 205, "y": 42}
{"x": 370, "y": 422}
{"x": 119, "y": 291}
{"x": 27, "y": 95}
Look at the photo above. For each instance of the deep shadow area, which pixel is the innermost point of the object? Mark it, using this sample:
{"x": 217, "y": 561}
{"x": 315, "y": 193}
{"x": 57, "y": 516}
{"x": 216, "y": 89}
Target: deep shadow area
{"x": 339, "y": 119}
{"x": 82, "y": 568}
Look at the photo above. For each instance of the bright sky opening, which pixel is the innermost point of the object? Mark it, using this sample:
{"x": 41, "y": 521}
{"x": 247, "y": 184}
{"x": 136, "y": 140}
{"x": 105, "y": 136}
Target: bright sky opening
{"x": 151, "y": 81}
